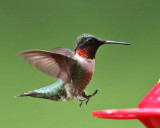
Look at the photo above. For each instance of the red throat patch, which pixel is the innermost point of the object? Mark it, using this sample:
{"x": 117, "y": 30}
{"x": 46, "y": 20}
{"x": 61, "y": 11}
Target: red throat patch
{"x": 88, "y": 52}
{"x": 83, "y": 53}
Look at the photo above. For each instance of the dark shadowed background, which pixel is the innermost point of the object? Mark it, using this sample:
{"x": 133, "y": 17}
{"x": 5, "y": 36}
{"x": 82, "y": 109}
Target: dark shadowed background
{"x": 124, "y": 74}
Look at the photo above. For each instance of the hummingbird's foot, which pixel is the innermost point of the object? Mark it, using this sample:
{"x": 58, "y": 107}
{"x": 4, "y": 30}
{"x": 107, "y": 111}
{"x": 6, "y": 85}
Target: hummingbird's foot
{"x": 89, "y": 96}
{"x": 81, "y": 102}
{"x": 80, "y": 99}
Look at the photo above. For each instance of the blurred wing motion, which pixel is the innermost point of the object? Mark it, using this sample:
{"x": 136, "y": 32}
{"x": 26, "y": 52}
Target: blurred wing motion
{"x": 56, "y": 63}
{"x": 63, "y": 51}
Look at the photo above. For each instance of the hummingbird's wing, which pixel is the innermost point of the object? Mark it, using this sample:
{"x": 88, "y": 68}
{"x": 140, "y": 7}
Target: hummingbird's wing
{"x": 63, "y": 51}
{"x": 56, "y": 63}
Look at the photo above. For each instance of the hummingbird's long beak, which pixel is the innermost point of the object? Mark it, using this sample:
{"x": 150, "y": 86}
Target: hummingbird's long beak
{"x": 115, "y": 42}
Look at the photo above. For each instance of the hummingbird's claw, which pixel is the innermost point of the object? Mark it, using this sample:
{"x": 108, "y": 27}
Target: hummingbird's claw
{"x": 89, "y": 96}
{"x": 81, "y": 103}
{"x": 95, "y": 92}
{"x": 79, "y": 99}
{"x": 87, "y": 101}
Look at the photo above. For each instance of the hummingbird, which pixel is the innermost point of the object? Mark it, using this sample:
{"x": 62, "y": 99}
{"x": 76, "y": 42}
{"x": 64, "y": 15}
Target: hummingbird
{"x": 74, "y": 70}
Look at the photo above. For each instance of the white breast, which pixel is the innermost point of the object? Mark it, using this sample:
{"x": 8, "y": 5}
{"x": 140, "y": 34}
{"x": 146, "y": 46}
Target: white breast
{"x": 80, "y": 59}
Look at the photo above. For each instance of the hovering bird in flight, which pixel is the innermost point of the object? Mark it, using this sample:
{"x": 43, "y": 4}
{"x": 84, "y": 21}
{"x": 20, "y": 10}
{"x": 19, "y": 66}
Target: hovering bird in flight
{"x": 73, "y": 69}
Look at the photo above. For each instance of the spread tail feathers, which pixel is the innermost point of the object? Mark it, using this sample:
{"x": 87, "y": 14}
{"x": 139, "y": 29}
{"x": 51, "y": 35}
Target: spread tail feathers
{"x": 55, "y": 92}
{"x": 28, "y": 94}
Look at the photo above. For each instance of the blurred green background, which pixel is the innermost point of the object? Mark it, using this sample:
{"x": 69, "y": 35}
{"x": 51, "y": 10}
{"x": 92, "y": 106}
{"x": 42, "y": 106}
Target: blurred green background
{"x": 124, "y": 74}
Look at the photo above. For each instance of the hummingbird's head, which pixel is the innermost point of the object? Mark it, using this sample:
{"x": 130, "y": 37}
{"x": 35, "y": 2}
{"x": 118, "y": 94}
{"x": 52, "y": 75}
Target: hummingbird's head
{"x": 87, "y": 45}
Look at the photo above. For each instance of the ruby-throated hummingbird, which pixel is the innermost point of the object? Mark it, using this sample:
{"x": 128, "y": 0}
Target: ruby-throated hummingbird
{"x": 73, "y": 69}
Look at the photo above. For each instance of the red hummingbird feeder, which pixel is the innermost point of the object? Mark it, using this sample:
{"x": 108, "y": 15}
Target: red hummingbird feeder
{"x": 148, "y": 111}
